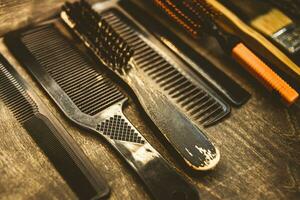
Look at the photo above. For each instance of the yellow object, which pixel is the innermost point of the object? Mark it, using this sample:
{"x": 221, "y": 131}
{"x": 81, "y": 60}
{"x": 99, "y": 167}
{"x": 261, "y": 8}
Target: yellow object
{"x": 263, "y": 73}
{"x": 256, "y": 40}
{"x": 271, "y": 22}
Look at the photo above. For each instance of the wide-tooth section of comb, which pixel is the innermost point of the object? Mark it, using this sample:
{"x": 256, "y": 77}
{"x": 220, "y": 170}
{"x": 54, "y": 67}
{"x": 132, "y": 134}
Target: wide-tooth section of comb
{"x": 14, "y": 96}
{"x": 106, "y": 42}
{"x": 193, "y": 99}
{"x": 88, "y": 89}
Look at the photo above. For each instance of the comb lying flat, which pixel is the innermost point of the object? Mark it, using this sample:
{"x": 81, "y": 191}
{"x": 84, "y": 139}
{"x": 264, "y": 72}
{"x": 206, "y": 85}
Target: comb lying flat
{"x": 185, "y": 137}
{"x": 59, "y": 147}
{"x": 94, "y": 102}
{"x": 193, "y": 99}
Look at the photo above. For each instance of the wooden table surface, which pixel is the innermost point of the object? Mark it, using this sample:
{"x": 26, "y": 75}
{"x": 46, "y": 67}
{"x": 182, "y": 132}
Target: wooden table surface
{"x": 259, "y": 143}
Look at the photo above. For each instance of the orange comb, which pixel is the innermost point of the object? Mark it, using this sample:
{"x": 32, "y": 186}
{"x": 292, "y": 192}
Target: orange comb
{"x": 263, "y": 73}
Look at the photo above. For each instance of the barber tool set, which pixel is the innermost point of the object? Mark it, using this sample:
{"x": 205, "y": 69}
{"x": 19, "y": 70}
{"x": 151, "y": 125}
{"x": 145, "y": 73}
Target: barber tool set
{"x": 90, "y": 59}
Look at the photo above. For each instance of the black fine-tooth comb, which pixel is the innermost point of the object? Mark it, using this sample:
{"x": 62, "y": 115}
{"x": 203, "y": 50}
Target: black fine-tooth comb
{"x": 59, "y": 147}
{"x": 94, "y": 102}
{"x": 156, "y": 83}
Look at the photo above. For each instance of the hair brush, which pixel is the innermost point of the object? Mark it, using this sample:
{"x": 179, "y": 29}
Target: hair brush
{"x": 193, "y": 146}
{"x": 205, "y": 15}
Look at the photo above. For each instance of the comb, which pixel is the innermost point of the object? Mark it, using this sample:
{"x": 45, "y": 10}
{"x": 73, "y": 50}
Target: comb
{"x": 94, "y": 102}
{"x": 59, "y": 147}
{"x": 202, "y": 11}
{"x": 168, "y": 85}
{"x": 187, "y": 49}
{"x": 153, "y": 64}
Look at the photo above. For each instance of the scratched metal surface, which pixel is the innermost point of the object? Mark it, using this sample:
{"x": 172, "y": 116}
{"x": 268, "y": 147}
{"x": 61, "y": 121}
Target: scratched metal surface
{"x": 260, "y": 143}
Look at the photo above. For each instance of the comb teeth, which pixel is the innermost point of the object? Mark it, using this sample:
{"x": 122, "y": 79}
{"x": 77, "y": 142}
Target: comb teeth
{"x": 107, "y": 44}
{"x": 15, "y": 97}
{"x": 192, "y": 99}
{"x": 90, "y": 91}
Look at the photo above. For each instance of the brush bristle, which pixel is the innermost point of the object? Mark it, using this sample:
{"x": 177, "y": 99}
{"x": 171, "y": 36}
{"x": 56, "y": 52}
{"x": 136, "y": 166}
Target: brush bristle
{"x": 109, "y": 46}
{"x": 15, "y": 97}
{"x": 271, "y": 22}
{"x": 179, "y": 16}
{"x": 192, "y": 15}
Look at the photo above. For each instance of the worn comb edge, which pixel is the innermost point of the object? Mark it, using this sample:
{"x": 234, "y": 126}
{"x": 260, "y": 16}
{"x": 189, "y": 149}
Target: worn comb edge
{"x": 70, "y": 153}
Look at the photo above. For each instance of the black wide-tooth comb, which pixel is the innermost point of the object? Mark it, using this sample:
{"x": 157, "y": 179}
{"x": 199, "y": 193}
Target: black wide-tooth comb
{"x": 202, "y": 106}
{"x": 59, "y": 147}
{"x": 194, "y": 147}
{"x": 94, "y": 102}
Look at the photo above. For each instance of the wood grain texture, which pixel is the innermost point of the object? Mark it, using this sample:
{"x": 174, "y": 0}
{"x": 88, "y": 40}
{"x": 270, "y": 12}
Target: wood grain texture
{"x": 259, "y": 144}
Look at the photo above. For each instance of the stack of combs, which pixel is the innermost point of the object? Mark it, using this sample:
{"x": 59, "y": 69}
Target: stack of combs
{"x": 86, "y": 62}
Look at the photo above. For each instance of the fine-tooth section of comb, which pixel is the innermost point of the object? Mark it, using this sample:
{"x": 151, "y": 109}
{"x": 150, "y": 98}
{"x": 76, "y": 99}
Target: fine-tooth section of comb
{"x": 90, "y": 91}
{"x": 60, "y": 148}
{"x": 94, "y": 102}
{"x": 15, "y": 97}
{"x": 166, "y": 95}
{"x": 191, "y": 98}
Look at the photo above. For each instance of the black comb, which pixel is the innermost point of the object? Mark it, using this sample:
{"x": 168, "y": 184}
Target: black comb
{"x": 193, "y": 99}
{"x": 162, "y": 71}
{"x": 59, "y": 147}
{"x": 94, "y": 102}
